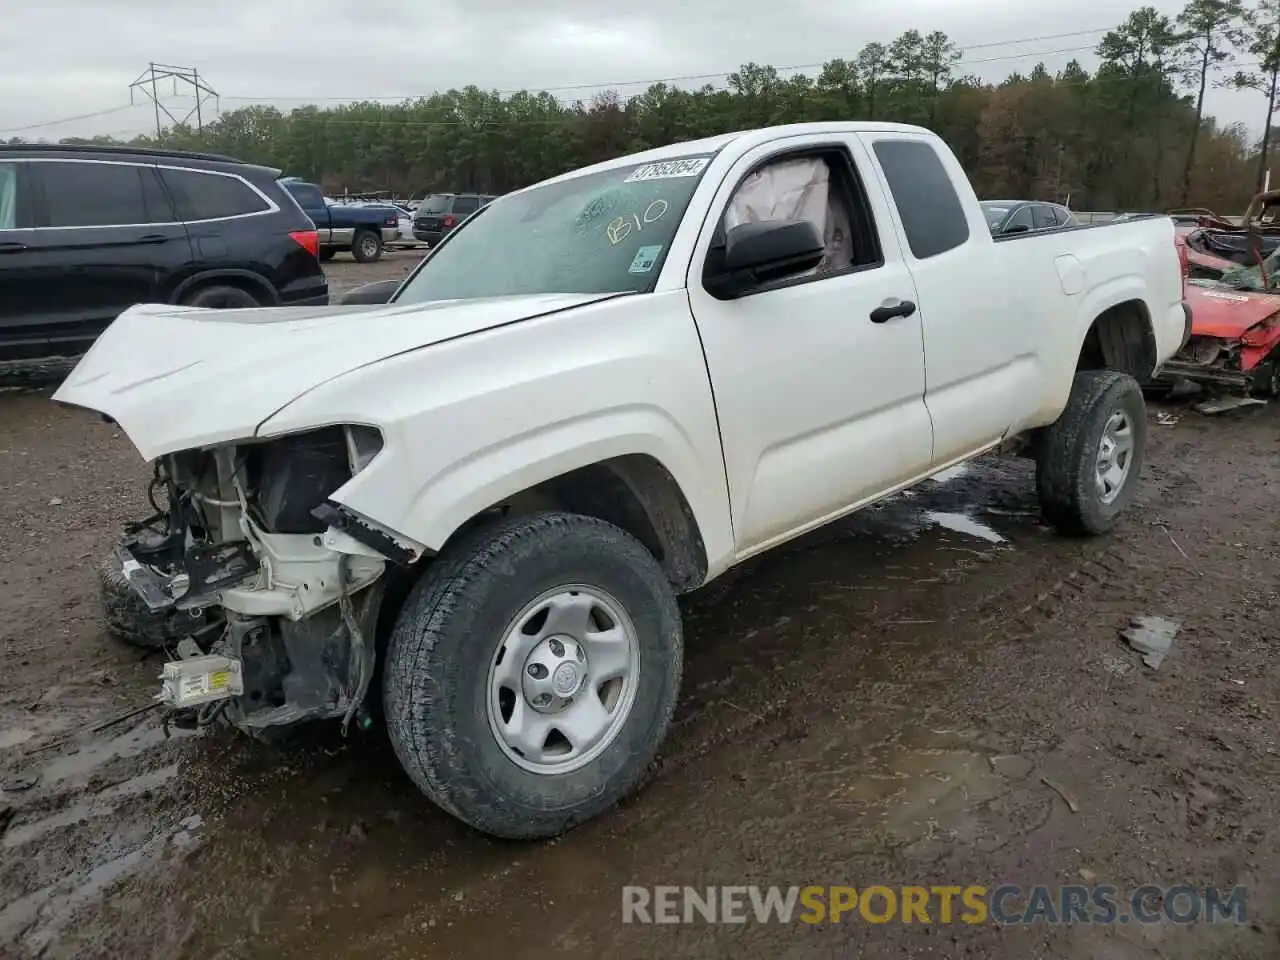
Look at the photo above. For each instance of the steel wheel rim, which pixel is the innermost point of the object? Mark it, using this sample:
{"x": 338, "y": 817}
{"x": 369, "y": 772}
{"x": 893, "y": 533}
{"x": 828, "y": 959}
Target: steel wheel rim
{"x": 368, "y": 247}
{"x": 563, "y": 678}
{"x": 1115, "y": 456}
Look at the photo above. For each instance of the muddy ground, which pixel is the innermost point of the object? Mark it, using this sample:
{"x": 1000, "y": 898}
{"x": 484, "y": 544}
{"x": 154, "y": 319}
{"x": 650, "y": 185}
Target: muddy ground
{"x": 934, "y": 691}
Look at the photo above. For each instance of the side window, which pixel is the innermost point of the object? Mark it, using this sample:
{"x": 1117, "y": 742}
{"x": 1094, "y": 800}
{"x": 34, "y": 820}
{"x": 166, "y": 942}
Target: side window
{"x": 15, "y": 196}
{"x": 97, "y": 194}
{"x": 1023, "y": 218}
{"x": 932, "y": 215}
{"x": 821, "y": 188}
{"x": 1045, "y": 216}
{"x": 211, "y": 196}
{"x": 1064, "y": 216}
{"x": 308, "y": 197}
{"x": 465, "y": 206}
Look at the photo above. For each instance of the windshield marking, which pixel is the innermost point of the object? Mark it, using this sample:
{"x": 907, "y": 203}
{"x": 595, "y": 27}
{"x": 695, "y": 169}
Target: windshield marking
{"x": 669, "y": 169}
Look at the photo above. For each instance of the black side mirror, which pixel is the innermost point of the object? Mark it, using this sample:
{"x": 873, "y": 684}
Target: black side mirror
{"x": 379, "y": 291}
{"x": 766, "y": 250}
{"x": 1015, "y": 228}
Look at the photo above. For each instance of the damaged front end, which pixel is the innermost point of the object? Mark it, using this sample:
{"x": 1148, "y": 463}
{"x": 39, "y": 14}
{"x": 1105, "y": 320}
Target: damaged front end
{"x": 1235, "y": 336}
{"x": 248, "y": 528}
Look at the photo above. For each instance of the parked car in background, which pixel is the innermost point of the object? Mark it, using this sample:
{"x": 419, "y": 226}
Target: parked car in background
{"x": 1005, "y": 217}
{"x": 346, "y": 227}
{"x": 88, "y": 231}
{"x": 441, "y": 212}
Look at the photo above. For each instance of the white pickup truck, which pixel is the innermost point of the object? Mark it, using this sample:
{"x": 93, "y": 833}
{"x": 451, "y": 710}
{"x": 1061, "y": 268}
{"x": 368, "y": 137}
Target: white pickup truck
{"x": 481, "y": 498}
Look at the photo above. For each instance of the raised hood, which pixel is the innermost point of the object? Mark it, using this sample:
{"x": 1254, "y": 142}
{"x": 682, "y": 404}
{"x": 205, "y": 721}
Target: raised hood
{"x": 175, "y": 378}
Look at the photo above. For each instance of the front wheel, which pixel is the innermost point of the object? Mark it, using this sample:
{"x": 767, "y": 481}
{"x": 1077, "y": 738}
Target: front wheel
{"x": 532, "y": 674}
{"x": 1088, "y": 461}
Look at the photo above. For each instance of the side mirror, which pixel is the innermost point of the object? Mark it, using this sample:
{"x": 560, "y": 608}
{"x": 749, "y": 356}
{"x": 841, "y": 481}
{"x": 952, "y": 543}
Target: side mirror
{"x": 379, "y": 291}
{"x": 764, "y": 251}
{"x": 1016, "y": 228}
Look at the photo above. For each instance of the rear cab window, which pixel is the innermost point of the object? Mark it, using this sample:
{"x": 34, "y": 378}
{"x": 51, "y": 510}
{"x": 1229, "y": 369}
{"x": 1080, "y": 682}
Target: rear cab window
{"x": 98, "y": 193}
{"x": 207, "y": 195}
{"x": 933, "y": 218}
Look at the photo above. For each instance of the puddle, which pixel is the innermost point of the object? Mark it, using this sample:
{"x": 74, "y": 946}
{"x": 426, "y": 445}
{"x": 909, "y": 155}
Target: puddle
{"x": 12, "y": 737}
{"x": 948, "y": 474}
{"x": 88, "y": 758}
{"x": 962, "y": 523}
{"x": 99, "y": 805}
{"x": 37, "y": 918}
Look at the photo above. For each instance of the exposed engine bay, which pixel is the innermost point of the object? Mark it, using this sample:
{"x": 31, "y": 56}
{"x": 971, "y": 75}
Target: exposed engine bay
{"x": 248, "y": 528}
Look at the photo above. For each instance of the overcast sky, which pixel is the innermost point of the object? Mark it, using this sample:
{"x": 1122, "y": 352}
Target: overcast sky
{"x": 63, "y": 59}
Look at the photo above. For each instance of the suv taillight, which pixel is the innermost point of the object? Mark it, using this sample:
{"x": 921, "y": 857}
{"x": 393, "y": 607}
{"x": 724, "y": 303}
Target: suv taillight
{"x": 308, "y": 240}
{"x": 449, "y": 220}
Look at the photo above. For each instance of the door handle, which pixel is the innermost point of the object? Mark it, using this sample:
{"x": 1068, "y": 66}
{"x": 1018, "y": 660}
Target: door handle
{"x": 892, "y": 308}
{"x": 12, "y": 247}
{"x": 153, "y": 238}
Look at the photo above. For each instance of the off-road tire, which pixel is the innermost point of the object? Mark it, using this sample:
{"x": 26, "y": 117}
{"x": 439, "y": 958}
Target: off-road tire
{"x": 1067, "y": 454}
{"x": 129, "y": 619}
{"x": 220, "y": 296}
{"x": 366, "y": 246}
{"x": 437, "y": 667}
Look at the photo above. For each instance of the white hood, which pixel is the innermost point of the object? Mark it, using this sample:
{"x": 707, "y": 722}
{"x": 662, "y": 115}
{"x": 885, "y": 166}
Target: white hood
{"x": 175, "y": 378}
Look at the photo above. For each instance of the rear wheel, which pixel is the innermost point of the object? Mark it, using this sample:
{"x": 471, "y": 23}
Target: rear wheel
{"x": 366, "y": 246}
{"x": 221, "y": 297}
{"x": 532, "y": 673}
{"x": 1088, "y": 461}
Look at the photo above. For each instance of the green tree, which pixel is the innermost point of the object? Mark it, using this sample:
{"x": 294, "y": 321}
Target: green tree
{"x": 1211, "y": 29}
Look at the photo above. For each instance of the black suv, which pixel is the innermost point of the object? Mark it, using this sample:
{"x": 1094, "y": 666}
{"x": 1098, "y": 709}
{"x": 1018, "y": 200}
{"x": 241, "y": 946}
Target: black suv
{"x": 88, "y": 231}
{"x": 441, "y": 212}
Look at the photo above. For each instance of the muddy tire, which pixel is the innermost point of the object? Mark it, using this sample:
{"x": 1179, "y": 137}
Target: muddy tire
{"x": 495, "y": 626}
{"x": 1088, "y": 462}
{"x": 366, "y": 246}
{"x": 129, "y": 619}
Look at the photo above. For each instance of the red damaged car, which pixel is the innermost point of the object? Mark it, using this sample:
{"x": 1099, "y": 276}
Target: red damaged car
{"x": 1235, "y": 304}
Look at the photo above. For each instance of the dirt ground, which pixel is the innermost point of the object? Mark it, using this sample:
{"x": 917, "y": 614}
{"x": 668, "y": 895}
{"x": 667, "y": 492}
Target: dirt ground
{"x": 932, "y": 692}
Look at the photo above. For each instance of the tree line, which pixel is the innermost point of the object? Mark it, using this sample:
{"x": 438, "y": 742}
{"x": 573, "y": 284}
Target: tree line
{"x": 1131, "y": 135}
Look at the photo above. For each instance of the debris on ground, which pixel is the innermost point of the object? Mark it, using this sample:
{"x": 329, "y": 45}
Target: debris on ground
{"x": 1060, "y": 791}
{"x": 1152, "y": 637}
{"x": 1224, "y": 404}
{"x": 1166, "y": 419}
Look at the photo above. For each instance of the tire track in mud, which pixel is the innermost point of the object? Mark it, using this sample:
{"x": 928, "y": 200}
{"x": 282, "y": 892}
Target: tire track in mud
{"x": 872, "y": 671}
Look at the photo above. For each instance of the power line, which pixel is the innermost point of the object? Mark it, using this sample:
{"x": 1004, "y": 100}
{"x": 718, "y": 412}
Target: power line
{"x": 686, "y": 78}
{"x": 83, "y": 116}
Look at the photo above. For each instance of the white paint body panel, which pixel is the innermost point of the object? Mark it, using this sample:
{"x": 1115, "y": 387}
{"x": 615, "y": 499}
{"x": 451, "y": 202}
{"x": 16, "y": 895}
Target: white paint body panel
{"x": 801, "y": 409}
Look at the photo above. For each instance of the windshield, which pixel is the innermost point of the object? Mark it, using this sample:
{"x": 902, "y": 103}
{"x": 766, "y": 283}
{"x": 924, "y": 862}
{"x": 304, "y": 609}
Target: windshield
{"x": 994, "y": 213}
{"x": 604, "y": 232}
{"x": 436, "y": 203}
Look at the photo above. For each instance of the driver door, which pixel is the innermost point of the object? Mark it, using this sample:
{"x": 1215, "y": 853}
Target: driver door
{"x": 821, "y": 408}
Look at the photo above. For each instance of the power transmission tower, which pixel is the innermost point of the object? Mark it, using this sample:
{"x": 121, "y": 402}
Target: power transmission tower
{"x": 149, "y": 83}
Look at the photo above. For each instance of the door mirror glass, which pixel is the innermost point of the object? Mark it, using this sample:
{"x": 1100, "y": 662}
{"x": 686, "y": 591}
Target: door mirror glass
{"x": 764, "y": 251}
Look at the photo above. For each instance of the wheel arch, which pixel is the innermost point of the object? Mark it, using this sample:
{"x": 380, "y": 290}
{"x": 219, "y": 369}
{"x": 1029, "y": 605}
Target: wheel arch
{"x": 1120, "y": 337}
{"x": 635, "y": 492}
{"x": 245, "y": 280}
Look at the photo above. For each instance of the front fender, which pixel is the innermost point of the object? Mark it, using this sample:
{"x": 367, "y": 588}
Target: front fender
{"x": 470, "y": 422}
